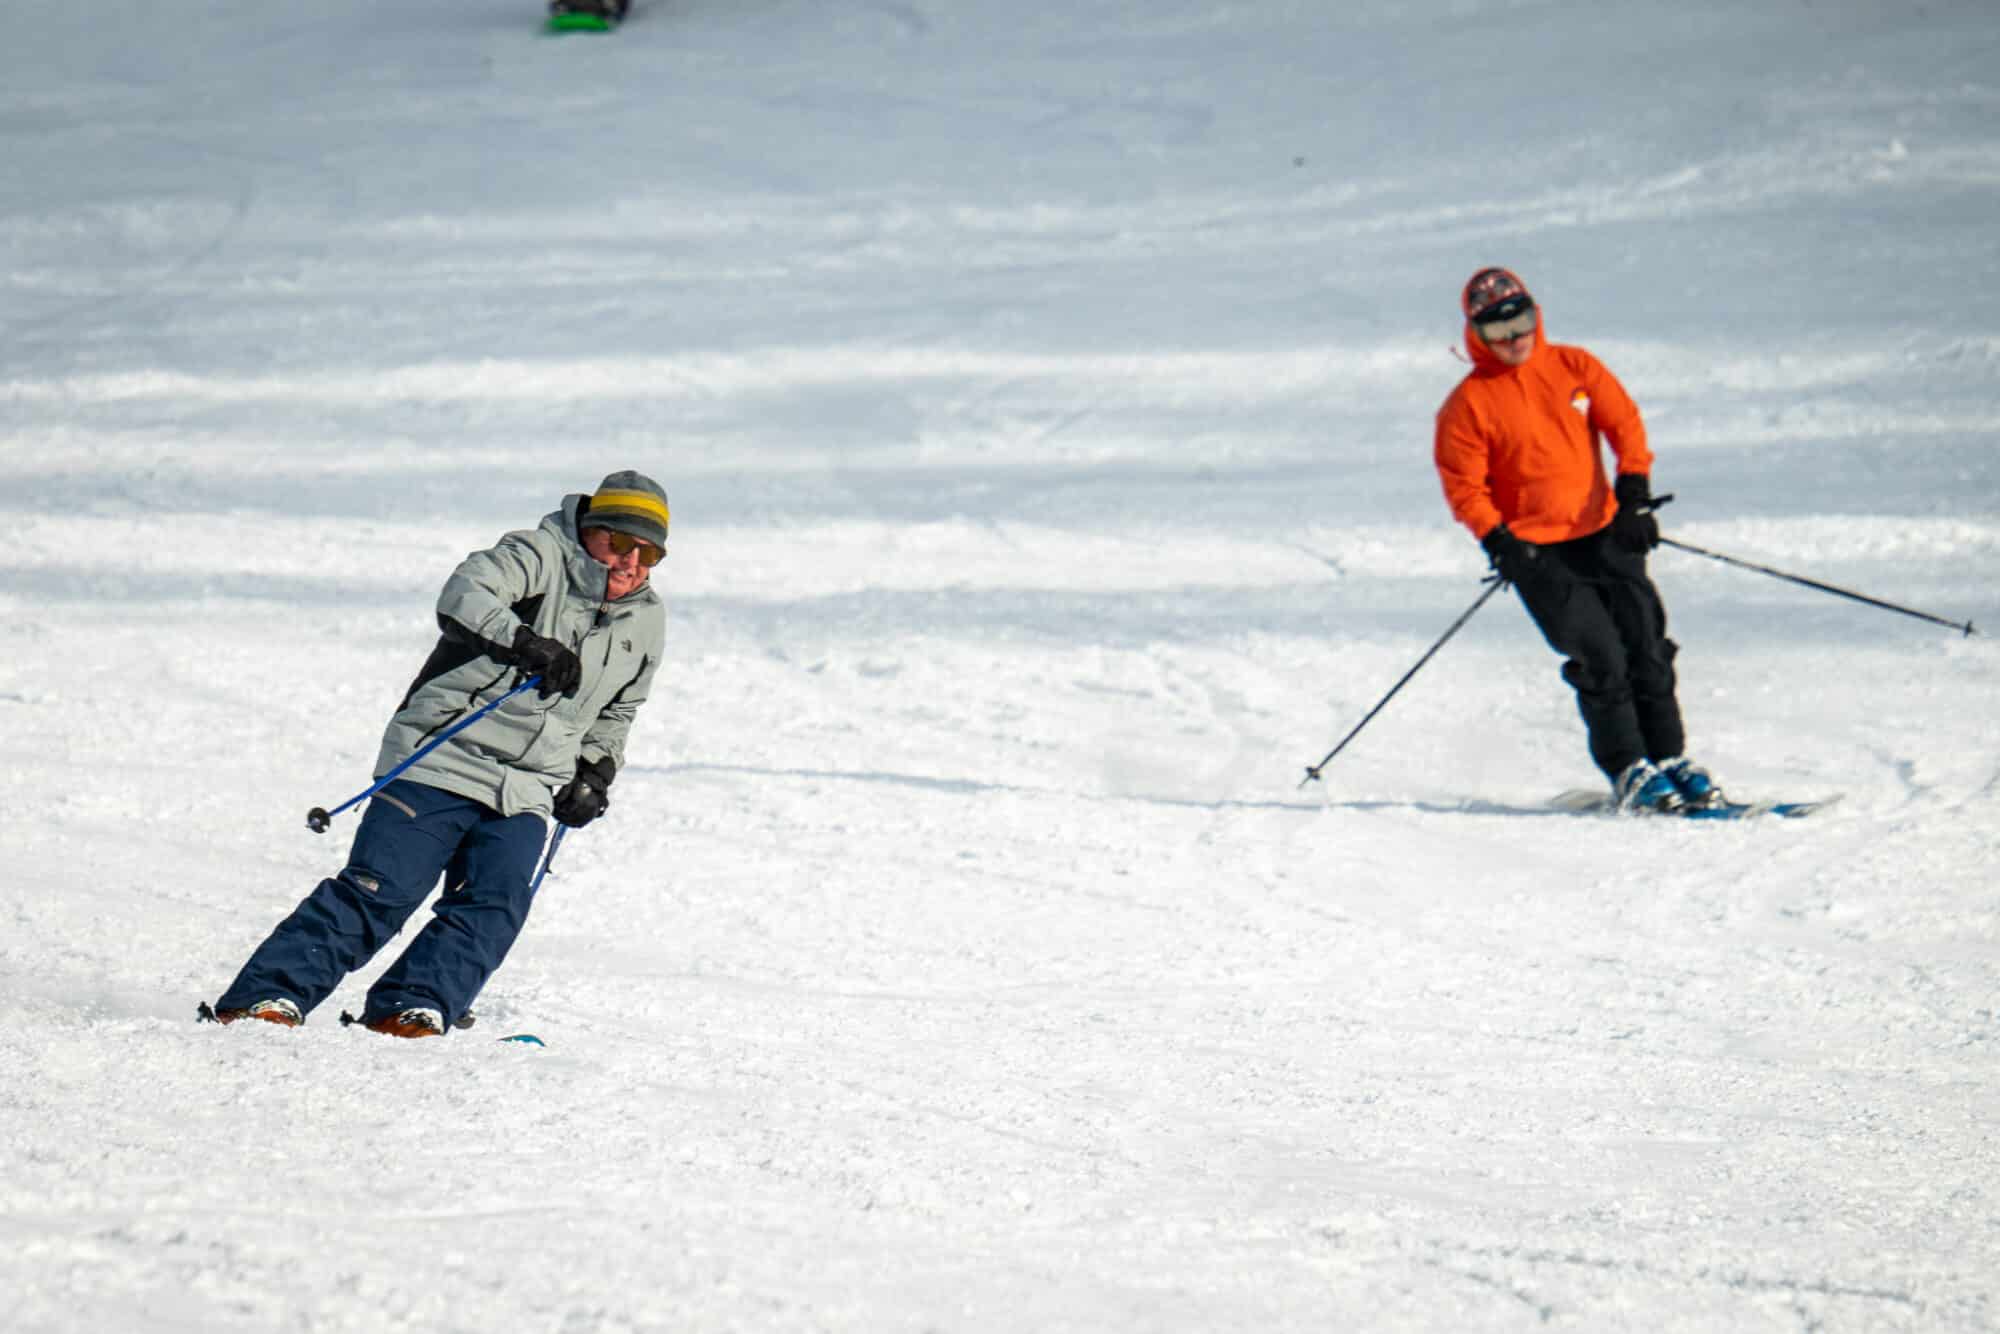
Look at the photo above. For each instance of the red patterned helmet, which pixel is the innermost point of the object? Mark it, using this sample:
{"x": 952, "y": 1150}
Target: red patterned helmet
{"x": 1494, "y": 294}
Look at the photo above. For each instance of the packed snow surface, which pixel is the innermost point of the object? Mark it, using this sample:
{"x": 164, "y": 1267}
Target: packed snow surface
{"x": 1044, "y": 391}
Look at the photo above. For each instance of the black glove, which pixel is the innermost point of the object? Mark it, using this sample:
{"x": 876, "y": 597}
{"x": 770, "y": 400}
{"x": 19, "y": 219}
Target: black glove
{"x": 1511, "y": 557}
{"x": 586, "y": 796}
{"x": 1633, "y": 526}
{"x": 561, "y": 670}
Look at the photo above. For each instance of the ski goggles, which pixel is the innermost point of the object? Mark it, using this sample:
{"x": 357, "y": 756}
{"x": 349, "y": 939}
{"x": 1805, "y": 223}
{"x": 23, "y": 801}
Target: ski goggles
{"x": 1508, "y": 328}
{"x": 623, "y": 544}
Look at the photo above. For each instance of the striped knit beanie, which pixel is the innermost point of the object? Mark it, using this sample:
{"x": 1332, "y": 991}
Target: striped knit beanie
{"x": 629, "y": 502}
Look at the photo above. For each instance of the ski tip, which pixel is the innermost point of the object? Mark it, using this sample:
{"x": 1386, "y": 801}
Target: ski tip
{"x": 526, "y": 1039}
{"x": 1581, "y": 801}
{"x": 1792, "y": 810}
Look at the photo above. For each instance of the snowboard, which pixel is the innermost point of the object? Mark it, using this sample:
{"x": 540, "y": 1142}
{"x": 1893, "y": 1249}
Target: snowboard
{"x": 1588, "y": 801}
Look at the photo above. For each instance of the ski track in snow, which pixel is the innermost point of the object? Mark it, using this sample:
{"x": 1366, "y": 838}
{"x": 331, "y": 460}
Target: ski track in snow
{"x": 1045, "y": 398}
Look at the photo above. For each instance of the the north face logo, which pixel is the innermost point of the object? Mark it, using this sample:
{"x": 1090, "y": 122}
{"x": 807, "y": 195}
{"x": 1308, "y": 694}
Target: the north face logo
{"x": 1580, "y": 401}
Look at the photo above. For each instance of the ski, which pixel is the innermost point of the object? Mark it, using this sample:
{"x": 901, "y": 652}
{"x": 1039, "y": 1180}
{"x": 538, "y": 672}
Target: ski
{"x": 1750, "y": 810}
{"x": 1587, "y": 801}
{"x": 468, "y": 1019}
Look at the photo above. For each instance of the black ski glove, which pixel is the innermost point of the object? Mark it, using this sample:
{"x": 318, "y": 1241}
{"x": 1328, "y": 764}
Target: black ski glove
{"x": 1633, "y": 526}
{"x": 561, "y": 670}
{"x": 1511, "y": 557}
{"x": 586, "y": 796}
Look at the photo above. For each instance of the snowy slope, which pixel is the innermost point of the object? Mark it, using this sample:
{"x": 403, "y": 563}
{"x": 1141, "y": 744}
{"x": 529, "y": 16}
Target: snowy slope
{"x": 1044, "y": 391}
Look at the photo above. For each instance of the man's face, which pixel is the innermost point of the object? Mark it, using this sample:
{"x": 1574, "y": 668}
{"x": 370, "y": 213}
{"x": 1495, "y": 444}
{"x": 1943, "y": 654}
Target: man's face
{"x": 1512, "y": 340}
{"x": 629, "y": 568}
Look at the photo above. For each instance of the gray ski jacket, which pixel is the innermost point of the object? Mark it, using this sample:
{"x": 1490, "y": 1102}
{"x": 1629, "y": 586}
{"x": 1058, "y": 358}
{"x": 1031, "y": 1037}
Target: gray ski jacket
{"x": 515, "y": 758}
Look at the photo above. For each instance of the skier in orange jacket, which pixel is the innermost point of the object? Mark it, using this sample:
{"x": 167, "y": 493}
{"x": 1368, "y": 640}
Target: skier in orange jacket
{"x": 1519, "y": 452}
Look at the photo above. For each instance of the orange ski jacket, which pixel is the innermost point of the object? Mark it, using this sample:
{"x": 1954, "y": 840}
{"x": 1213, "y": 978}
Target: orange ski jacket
{"x": 1520, "y": 445}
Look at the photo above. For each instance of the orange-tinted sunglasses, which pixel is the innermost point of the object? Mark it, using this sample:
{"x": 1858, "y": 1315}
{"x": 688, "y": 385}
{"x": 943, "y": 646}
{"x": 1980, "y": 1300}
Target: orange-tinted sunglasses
{"x": 621, "y": 543}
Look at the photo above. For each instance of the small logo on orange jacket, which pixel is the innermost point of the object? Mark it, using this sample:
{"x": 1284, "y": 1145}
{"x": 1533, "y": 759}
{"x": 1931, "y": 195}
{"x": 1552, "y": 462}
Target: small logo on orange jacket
{"x": 1580, "y": 401}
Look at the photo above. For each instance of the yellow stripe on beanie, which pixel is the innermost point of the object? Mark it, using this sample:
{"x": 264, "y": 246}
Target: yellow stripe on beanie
{"x": 636, "y": 503}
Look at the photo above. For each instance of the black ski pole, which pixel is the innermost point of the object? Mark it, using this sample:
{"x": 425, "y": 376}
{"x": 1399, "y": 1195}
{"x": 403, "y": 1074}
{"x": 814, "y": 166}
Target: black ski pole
{"x": 1964, "y": 627}
{"x": 1493, "y": 585}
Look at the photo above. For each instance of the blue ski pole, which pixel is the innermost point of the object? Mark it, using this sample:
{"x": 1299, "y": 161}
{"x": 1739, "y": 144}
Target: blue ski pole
{"x": 554, "y": 843}
{"x": 319, "y": 818}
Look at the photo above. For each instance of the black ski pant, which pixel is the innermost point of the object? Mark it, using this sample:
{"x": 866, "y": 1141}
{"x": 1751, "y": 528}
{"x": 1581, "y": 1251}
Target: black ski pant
{"x": 1592, "y": 601}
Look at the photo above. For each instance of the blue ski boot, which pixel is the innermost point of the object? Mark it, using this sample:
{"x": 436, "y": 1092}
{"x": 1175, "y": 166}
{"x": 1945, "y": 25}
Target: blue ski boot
{"x": 1643, "y": 790}
{"x": 1697, "y": 787}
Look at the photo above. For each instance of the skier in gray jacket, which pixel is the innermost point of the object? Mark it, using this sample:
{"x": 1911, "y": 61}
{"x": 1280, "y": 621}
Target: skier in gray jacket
{"x": 569, "y": 601}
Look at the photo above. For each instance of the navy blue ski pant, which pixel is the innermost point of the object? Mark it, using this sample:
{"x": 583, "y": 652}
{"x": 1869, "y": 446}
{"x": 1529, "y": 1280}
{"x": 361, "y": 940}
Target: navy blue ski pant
{"x": 1594, "y": 603}
{"x": 409, "y": 836}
